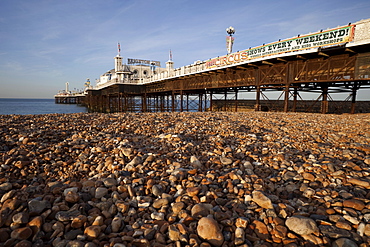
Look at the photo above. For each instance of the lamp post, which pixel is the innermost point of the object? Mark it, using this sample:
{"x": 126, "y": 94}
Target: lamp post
{"x": 229, "y": 39}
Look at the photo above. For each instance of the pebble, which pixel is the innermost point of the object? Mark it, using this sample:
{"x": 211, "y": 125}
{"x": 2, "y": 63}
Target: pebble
{"x": 355, "y": 204}
{"x": 21, "y": 233}
{"x": 344, "y": 242}
{"x": 209, "y": 230}
{"x": 160, "y": 203}
{"x": 6, "y": 186}
{"x": 20, "y": 218}
{"x": 185, "y": 179}
{"x": 37, "y": 206}
{"x": 92, "y": 231}
{"x": 262, "y": 200}
{"x": 101, "y": 192}
{"x": 301, "y": 225}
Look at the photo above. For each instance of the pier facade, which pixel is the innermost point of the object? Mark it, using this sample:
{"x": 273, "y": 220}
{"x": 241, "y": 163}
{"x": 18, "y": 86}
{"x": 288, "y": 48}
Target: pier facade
{"x": 326, "y": 62}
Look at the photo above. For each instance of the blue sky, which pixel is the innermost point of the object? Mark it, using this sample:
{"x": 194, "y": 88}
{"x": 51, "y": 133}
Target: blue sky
{"x": 45, "y": 43}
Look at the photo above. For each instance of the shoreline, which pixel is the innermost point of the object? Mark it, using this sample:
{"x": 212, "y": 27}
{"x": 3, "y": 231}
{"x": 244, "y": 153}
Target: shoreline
{"x": 191, "y": 178}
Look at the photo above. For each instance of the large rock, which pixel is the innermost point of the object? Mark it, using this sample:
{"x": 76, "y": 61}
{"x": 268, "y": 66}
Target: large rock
{"x": 301, "y": 225}
{"x": 209, "y": 230}
{"x": 262, "y": 200}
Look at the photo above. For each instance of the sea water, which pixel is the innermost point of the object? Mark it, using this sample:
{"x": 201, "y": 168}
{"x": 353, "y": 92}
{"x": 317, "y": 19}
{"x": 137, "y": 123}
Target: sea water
{"x": 36, "y": 106}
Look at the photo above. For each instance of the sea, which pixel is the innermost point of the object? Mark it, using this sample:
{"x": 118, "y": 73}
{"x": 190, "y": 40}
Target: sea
{"x": 36, "y": 106}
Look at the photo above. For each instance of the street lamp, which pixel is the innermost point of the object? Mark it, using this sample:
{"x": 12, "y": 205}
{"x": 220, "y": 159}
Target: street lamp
{"x": 229, "y": 39}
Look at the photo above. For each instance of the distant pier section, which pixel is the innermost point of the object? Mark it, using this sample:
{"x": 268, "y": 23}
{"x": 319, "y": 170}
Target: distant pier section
{"x": 69, "y": 97}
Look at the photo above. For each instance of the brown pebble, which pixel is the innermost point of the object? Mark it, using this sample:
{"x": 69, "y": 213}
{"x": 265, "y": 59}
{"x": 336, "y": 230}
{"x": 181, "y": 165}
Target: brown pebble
{"x": 353, "y": 203}
{"x": 209, "y": 230}
{"x": 92, "y": 231}
{"x": 22, "y": 233}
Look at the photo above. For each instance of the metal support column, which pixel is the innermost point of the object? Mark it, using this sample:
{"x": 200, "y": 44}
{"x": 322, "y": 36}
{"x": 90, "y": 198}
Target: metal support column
{"x": 286, "y": 98}
{"x": 167, "y": 102}
{"x": 187, "y": 102}
{"x": 173, "y": 101}
{"x": 257, "y": 106}
{"x": 354, "y": 94}
{"x": 143, "y": 103}
{"x": 200, "y": 102}
{"x": 236, "y": 100}
{"x": 205, "y": 101}
{"x": 181, "y": 101}
{"x": 125, "y": 104}
{"x": 225, "y": 101}
{"x": 295, "y": 95}
{"x": 324, "y": 102}
{"x": 161, "y": 99}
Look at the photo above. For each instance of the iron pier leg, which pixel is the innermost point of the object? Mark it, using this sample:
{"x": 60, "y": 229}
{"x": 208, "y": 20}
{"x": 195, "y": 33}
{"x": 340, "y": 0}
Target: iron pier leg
{"x": 162, "y": 103}
{"x": 257, "y": 107}
{"x": 286, "y": 99}
{"x": 167, "y": 102}
{"x": 354, "y": 94}
{"x": 143, "y": 103}
{"x": 236, "y": 100}
{"x": 173, "y": 101}
{"x": 119, "y": 102}
{"x": 205, "y": 101}
{"x": 295, "y": 94}
{"x": 187, "y": 102}
{"x": 225, "y": 102}
{"x": 181, "y": 101}
{"x": 125, "y": 107}
{"x": 324, "y": 103}
{"x": 200, "y": 102}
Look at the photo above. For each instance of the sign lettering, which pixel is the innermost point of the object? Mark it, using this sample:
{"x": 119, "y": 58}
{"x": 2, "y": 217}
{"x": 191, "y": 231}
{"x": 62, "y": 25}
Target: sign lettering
{"x": 335, "y": 36}
{"x": 142, "y": 61}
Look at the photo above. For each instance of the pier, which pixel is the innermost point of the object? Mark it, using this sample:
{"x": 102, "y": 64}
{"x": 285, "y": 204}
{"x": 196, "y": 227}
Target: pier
{"x": 70, "y": 99}
{"x": 324, "y": 63}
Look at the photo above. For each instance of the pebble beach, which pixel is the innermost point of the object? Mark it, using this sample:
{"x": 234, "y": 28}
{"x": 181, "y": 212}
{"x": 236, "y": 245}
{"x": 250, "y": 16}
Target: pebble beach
{"x": 185, "y": 179}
